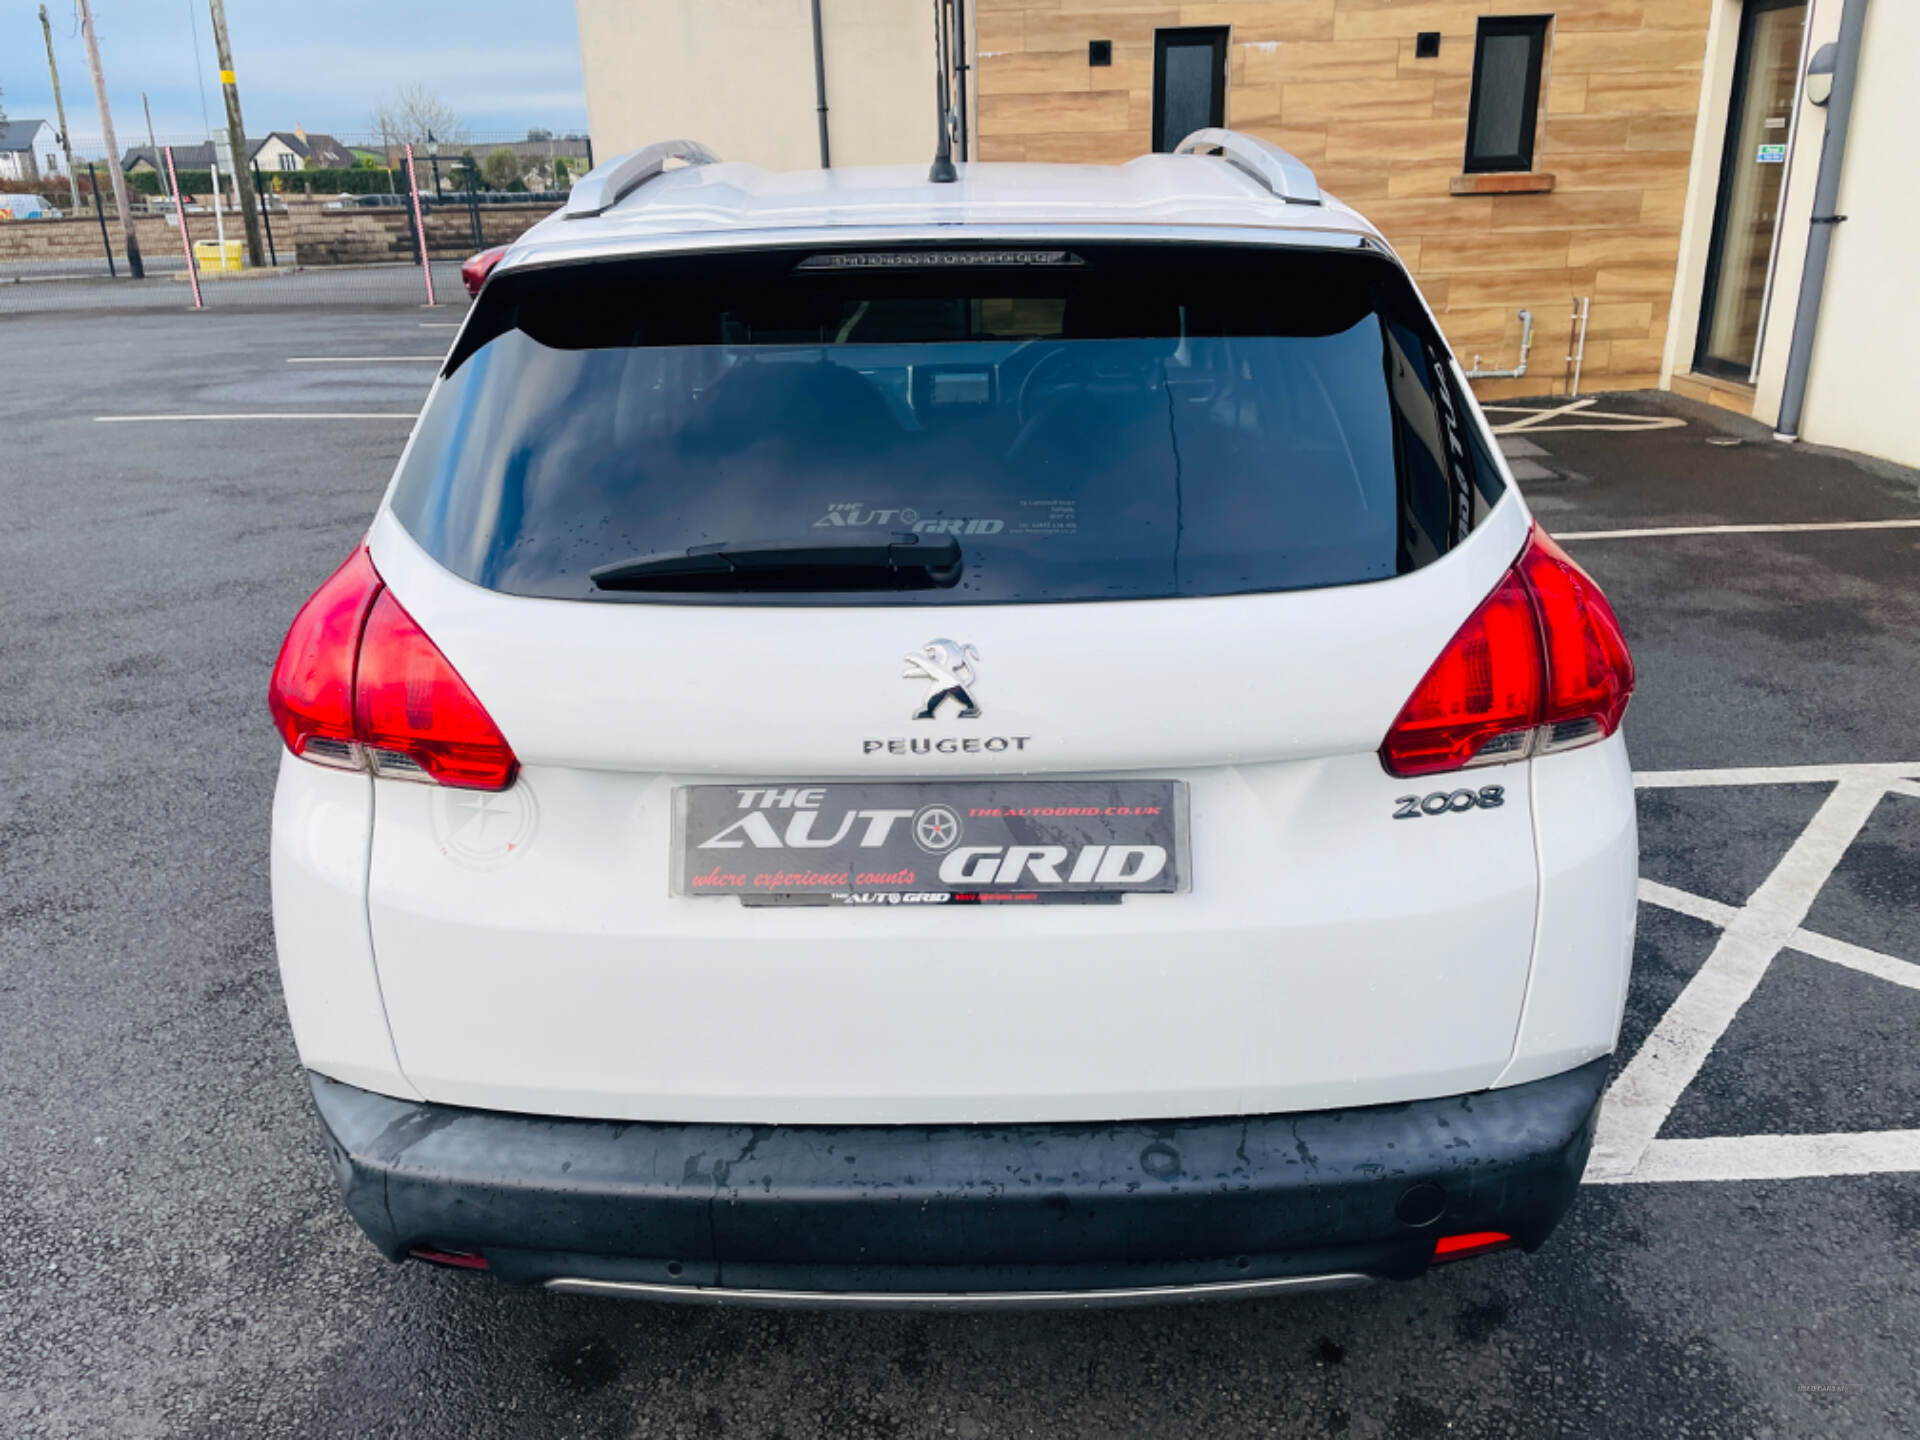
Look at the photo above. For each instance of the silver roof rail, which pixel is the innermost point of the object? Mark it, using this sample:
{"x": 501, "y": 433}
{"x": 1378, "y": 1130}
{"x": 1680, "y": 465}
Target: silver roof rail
{"x": 605, "y": 186}
{"x": 1286, "y": 175}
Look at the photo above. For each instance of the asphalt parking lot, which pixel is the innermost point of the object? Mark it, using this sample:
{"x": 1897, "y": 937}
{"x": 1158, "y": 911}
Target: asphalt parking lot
{"x": 174, "y": 1260}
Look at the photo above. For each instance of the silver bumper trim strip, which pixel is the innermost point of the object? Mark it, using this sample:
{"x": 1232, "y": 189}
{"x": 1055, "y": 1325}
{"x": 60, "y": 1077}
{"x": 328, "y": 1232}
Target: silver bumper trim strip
{"x": 960, "y": 1300}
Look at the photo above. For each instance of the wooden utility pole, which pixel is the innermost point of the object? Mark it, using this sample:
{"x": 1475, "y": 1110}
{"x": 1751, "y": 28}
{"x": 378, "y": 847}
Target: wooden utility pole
{"x": 134, "y": 267}
{"x": 237, "y": 136}
{"x": 60, "y": 110}
{"x": 153, "y": 147}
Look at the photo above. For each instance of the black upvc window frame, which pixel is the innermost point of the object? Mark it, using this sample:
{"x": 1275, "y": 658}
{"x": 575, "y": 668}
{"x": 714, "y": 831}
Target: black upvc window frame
{"x": 1535, "y": 28}
{"x": 1187, "y": 35}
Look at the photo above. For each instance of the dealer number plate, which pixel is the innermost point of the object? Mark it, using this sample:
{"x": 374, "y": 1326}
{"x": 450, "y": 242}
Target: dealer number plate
{"x": 931, "y": 842}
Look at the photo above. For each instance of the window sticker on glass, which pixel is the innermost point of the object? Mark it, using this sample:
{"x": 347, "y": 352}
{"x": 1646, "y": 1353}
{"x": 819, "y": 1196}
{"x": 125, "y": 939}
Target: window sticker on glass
{"x": 1773, "y": 155}
{"x": 1047, "y": 517}
{"x": 858, "y": 514}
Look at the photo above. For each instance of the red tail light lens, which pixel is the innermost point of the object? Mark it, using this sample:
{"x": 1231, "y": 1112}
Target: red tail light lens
{"x": 358, "y": 685}
{"x": 1481, "y": 700}
{"x": 311, "y": 695}
{"x": 1589, "y": 672}
{"x": 1540, "y": 666}
{"x": 474, "y": 273}
{"x": 414, "y": 713}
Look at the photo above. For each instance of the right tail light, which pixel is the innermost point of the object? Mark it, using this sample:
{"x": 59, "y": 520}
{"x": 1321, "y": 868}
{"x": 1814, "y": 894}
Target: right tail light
{"x": 1541, "y": 666}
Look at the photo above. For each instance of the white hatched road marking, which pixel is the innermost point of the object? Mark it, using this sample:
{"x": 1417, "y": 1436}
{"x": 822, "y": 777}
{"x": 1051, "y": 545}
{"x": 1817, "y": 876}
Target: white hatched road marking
{"x": 1797, "y": 528}
{"x": 1857, "y": 957}
{"x": 260, "y": 415}
{"x": 1627, "y": 1149}
{"x": 1576, "y": 415}
{"x": 1652, "y": 892}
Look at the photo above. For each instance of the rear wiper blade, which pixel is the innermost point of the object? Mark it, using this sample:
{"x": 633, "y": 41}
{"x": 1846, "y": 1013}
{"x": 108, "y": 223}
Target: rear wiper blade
{"x": 882, "y": 561}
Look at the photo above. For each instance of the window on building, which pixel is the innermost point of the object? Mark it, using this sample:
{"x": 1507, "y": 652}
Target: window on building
{"x": 1508, "y": 55}
{"x": 1189, "y": 82}
{"x": 288, "y": 162}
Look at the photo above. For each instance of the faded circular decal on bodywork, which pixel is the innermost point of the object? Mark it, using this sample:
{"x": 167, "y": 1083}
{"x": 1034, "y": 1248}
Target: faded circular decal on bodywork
{"x": 483, "y": 829}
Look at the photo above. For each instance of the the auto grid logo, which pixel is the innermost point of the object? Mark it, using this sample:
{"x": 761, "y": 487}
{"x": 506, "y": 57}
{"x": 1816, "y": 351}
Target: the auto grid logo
{"x": 947, "y": 668}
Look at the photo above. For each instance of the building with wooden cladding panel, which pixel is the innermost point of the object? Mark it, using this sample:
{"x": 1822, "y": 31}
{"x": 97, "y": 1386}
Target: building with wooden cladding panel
{"x": 1342, "y": 84}
{"x": 1654, "y": 158}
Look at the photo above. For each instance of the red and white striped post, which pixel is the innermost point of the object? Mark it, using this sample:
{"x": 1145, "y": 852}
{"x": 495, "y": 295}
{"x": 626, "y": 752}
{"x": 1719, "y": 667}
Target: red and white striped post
{"x": 419, "y": 223}
{"x": 180, "y": 214}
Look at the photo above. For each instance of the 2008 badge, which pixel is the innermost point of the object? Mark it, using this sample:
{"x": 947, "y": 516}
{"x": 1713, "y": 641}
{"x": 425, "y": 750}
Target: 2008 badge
{"x": 1450, "y": 802}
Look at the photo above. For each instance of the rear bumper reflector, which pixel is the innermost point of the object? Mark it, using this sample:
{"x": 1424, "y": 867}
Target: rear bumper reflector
{"x": 913, "y": 1211}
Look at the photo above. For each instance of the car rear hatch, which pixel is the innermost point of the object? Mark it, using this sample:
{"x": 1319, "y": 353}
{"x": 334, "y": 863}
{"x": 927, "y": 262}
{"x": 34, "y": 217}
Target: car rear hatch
{"x": 1213, "y": 545}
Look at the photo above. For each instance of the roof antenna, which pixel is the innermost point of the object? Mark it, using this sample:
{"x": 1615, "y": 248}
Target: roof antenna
{"x": 942, "y": 172}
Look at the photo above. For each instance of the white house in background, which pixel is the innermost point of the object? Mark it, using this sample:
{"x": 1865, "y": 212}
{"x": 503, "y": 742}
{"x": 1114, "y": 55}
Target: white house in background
{"x": 29, "y": 150}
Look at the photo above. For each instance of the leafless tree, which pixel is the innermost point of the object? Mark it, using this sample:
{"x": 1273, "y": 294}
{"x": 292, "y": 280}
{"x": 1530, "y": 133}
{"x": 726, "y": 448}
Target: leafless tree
{"x": 410, "y": 111}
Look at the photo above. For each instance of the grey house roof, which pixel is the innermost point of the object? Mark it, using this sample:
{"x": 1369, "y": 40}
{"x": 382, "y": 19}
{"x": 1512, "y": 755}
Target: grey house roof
{"x": 17, "y": 135}
{"x": 185, "y": 157}
{"x": 321, "y": 151}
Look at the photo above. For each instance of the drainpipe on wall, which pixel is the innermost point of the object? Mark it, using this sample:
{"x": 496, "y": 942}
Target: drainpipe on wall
{"x": 820, "y": 83}
{"x": 960, "y": 68}
{"x": 1826, "y": 195}
{"x": 1526, "y": 344}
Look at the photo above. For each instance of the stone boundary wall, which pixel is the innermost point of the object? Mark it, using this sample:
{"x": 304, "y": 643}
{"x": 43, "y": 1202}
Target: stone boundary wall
{"x": 306, "y": 233}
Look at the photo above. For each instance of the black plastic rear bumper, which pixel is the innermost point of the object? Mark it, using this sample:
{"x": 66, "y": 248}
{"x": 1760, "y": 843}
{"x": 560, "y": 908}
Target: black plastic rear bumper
{"x": 950, "y": 1210}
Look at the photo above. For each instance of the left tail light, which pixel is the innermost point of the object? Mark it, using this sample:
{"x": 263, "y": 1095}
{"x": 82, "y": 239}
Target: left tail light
{"x": 360, "y": 686}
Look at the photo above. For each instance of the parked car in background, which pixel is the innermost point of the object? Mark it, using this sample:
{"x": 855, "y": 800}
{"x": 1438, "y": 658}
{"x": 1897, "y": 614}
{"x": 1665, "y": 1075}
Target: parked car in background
{"x": 26, "y": 207}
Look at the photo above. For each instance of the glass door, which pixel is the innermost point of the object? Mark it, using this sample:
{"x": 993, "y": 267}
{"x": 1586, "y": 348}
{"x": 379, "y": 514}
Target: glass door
{"x": 1753, "y": 170}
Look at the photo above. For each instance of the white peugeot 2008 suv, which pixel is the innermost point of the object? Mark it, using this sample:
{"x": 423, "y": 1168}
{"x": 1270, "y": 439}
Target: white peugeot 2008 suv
{"x": 907, "y": 743}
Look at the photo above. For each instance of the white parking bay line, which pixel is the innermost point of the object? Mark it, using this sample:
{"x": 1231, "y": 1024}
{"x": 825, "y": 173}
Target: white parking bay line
{"x": 260, "y": 415}
{"x": 1891, "y": 776}
{"x": 1772, "y": 1157}
{"x": 365, "y": 359}
{"x": 1799, "y": 528}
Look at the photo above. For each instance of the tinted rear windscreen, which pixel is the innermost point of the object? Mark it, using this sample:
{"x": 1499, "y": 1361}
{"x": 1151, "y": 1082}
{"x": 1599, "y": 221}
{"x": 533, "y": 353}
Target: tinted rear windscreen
{"x": 1096, "y": 423}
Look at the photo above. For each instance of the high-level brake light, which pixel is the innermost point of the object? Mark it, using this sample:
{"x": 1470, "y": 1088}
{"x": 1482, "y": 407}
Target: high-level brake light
{"x": 360, "y": 686}
{"x": 1541, "y": 666}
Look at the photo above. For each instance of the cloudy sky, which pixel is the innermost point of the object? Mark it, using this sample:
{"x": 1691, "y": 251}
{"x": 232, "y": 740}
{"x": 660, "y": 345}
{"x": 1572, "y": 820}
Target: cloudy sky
{"x": 502, "y": 65}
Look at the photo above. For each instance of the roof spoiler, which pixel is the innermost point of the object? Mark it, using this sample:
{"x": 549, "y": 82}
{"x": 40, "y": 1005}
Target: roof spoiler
{"x": 1284, "y": 174}
{"x": 605, "y": 186}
